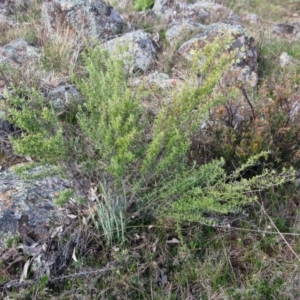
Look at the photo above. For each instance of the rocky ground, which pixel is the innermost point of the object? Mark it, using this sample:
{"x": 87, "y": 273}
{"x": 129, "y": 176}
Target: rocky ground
{"x": 50, "y": 248}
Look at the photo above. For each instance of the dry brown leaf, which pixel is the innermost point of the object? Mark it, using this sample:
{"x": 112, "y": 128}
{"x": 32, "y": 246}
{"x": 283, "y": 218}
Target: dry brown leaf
{"x": 45, "y": 247}
{"x": 25, "y": 270}
{"x": 90, "y": 210}
{"x": 74, "y": 255}
{"x": 72, "y": 216}
{"x": 33, "y": 250}
{"x": 173, "y": 241}
{"x": 57, "y": 231}
{"x": 140, "y": 246}
{"x": 92, "y": 194}
{"x": 137, "y": 236}
{"x": 116, "y": 249}
{"x": 8, "y": 254}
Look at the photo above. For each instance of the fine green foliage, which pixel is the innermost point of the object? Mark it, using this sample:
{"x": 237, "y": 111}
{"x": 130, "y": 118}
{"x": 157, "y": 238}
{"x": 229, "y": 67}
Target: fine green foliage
{"x": 42, "y": 133}
{"x": 176, "y": 123}
{"x": 110, "y": 116}
{"x": 142, "y": 4}
{"x": 110, "y": 122}
{"x": 64, "y": 197}
{"x": 210, "y": 189}
{"x": 109, "y": 217}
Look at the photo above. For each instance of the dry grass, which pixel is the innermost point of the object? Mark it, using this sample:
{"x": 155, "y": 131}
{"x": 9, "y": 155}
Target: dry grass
{"x": 268, "y": 11}
{"x": 60, "y": 49}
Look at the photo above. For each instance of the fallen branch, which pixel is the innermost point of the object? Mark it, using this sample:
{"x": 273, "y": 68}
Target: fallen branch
{"x": 17, "y": 284}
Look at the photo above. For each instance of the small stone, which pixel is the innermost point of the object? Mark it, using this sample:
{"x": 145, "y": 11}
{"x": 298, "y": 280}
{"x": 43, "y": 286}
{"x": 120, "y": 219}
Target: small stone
{"x": 285, "y": 59}
{"x": 134, "y": 46}
{"x": 283, "y": 28}
{"x": 252, "y": 18}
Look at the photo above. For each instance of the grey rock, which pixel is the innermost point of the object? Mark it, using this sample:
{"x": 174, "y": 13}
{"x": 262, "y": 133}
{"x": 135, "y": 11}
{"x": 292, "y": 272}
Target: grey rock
{"x": 178, "y": 30}
{"x": 13, "y": 4}
{"x": 203, "y": 12}
{"x": 284, "y": 28}
{"x": 8, "y": 11}
{"x": 18, "y": 52}
{"x": 208, "y": 12}
{"x": 26, "y": 206}
{"x": 236, "y": 121}
{"x": 135, "y": 48}
{"x": 63, "y": 96}
{"x": 90, "y": 18}
{"x": 287, "y": 30}
{"x": 166, "y": 8}
{"x": 161, "y": 80}
{"x": 5, "y": 20}
{"x": 153, "y": 80}
{"x": 251, "y": 18}
{"x": 5, "y": 129}
{"x": 285, "y": 59}
{"x": 245, "y": 66}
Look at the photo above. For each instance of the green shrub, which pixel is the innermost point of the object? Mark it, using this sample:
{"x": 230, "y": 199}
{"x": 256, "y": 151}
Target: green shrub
{"x": 64, "y": 197}
{"x": 142, "y": 4}
{"x": 110, "y": 116}
{"x": 42, "y": 133}
{"x": 109, "y": 140}
{"x": 210, "y": 189}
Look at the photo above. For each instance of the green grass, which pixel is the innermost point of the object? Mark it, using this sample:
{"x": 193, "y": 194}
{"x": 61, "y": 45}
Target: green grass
{"x": 273, "y": 10}
{"x": 141, "y": 5}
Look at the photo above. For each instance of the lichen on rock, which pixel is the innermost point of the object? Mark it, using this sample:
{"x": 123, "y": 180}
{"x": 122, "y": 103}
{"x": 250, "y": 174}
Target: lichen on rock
{"x": 93, "y": 19}
{"x": 30, "y": 200}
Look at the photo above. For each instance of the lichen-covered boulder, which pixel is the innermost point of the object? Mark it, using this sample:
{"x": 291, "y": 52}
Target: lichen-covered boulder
{"x": 5, "y": 20}
{"x": 203, "y": 12}
{"x": 245, "y": 66}
{"x": 26, "y": 206}
{"x": 167, "y": 9}
{"x": 13, "y": 4}
{"x": 90, "y": 18}
{"x": 153, "y": 80}
{"x": 8, "y": 10}
{"x": 186, "y": 19}
{"x": 136, "y": 46}
{"x": 287, "y": 30}
{"x": 179, "y": 30}
{"x": 160, "y": 80}
{"x": 62, "y": 97}
{"x": 18, "y": 52}
{"x": 15, "y": 55}
{"x": 251, "y": 18}
{"x": 284, "y": 28}
{"x": 208, "y": 12}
